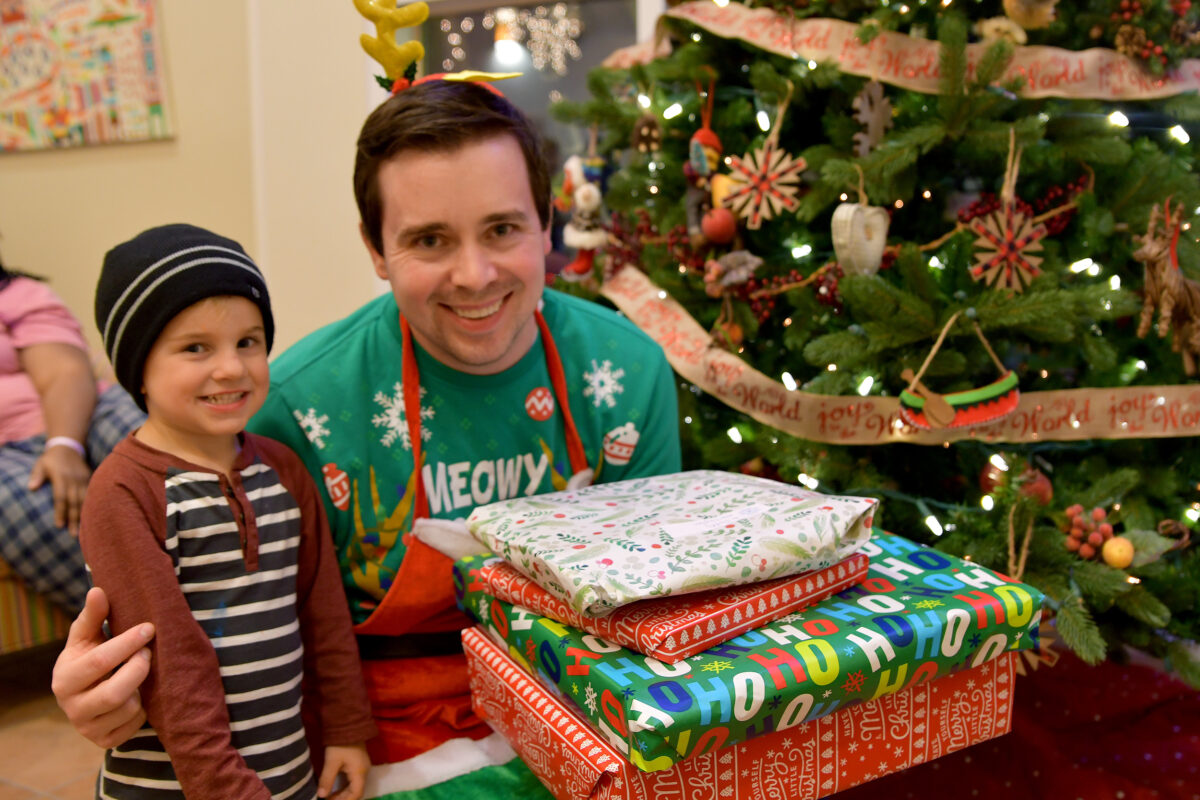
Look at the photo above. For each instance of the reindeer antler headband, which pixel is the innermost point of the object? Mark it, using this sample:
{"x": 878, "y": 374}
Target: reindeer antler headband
{"x": 399, "y": 60}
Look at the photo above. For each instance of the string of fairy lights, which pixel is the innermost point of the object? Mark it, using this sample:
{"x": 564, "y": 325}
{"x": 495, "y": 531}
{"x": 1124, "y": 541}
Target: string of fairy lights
{"x": 548, "y": 33}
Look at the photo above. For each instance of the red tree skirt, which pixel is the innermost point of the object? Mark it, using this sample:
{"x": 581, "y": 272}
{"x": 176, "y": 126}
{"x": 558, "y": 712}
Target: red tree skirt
{"x": 1109, "y": 732}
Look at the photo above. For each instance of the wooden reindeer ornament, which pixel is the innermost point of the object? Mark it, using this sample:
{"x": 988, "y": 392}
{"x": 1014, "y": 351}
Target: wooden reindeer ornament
{"x": 1165, "y": 288}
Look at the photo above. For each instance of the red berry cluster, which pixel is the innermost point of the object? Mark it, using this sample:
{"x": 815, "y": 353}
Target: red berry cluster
{"x": 1057, "y": 195}
{"x": 986, "y": 204}
{"x": 765, "y": 304}
{"x": 1181, "y": 7}
{"x": 889, "y": 259}
{"x": 825, "y": 289}
{"x": 1087, "y": 532}
{"x": 682, "y": 251}
{"x": 1128, "y": 10}
{"x": 625, "y": 244}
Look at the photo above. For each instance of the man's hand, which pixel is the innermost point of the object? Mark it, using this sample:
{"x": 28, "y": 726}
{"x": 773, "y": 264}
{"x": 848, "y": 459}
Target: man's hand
{"x": 350, "y": 760}
{"x": 68, "y": 474}
{"x": 103, "y": 705}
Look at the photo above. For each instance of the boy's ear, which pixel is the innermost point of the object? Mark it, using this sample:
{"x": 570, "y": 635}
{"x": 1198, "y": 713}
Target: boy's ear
{"x": 376, "y": 259}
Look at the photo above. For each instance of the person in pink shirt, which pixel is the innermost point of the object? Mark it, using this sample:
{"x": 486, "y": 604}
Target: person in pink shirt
{"x": 57, "y": 422}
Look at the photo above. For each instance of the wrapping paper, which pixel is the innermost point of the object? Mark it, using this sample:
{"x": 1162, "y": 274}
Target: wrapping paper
{"x": 673, "y": 628}
{"x": 605, "y": 546}
{"x": 920, "y": 614}
{"x": 810, "y": 760}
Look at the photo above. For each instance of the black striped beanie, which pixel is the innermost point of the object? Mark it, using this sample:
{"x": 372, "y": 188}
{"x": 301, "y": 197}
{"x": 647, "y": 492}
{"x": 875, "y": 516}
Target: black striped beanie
{"x": 146, "y": 281}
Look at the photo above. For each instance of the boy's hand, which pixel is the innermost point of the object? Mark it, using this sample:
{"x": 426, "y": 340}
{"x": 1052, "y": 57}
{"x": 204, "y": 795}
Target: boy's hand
{"x": 352, "y": 761}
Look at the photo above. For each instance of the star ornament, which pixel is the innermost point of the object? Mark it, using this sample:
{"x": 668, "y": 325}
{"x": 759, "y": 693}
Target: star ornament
{"x": 1005, "y": 243}
{"x": 765, "y": 182}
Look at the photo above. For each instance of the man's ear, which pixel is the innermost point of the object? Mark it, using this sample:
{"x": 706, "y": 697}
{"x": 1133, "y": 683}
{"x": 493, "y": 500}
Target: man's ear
{"x": 376, "y": 257}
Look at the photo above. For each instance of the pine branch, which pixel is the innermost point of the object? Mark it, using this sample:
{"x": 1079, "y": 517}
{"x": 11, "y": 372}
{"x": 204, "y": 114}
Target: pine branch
{"x": 1184, "y": 107}
{"x": 870, "y": 297}
{"x": 993, "y": 64}
{"x": 1100, "y": 584}
{"x": 1110, "y": 488}
{"x": 1109, "y": 150}
{"x": 1079, "y": 631}
{"x": 1185, "y": 662}
{"x": 913, "y": 268}
{"x": 1042, "y": 315}
{"x": 952, "y": 35}
{"x": 1145, "y": 607}
{"x": 1098, "y": 352}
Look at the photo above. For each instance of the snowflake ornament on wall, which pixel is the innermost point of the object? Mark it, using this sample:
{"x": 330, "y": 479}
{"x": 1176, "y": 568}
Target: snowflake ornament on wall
{"x": 392, "y": 419}
{"x": 551, "y": 37}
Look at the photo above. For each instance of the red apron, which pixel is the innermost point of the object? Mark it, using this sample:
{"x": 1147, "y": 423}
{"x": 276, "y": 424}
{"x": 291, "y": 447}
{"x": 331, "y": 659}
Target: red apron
{"x": 420, "y": 702}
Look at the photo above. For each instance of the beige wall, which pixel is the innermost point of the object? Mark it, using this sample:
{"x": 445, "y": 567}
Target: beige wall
{"x": 266, "y": 98}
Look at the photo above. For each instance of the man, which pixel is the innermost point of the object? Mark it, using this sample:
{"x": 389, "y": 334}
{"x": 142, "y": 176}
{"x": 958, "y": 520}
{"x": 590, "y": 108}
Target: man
{"x": 467, "y": 384}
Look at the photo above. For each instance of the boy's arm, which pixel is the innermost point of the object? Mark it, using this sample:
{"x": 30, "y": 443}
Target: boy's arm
{"x": 123, "y": 541}
{"x": 333, "y": 673}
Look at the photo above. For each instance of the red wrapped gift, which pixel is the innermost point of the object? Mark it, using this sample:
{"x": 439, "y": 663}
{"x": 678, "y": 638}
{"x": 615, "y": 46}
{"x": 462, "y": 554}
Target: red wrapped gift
{"x": 808, "y": 761}
{"x": 680, "y": 626}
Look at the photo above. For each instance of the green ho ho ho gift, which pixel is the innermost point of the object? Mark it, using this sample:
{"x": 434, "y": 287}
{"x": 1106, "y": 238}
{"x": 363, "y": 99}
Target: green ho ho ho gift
{"x": 921, "y": 614}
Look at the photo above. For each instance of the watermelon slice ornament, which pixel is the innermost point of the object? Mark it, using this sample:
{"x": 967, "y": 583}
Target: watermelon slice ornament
{"x": 925, "y": 409}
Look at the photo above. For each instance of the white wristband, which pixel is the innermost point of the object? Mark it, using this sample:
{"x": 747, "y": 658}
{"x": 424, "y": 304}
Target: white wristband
{"x": 66, "y": 441}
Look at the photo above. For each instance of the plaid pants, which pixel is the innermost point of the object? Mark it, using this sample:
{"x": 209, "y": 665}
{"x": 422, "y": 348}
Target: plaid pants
{"x": 45, "y": 556}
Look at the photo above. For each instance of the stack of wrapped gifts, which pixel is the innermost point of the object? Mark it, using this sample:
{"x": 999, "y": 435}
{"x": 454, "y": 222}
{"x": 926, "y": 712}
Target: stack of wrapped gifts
{"x": 715, "y": 635}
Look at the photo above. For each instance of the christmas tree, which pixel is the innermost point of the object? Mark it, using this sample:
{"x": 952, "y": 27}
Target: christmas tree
{"x": 933, "y": 252}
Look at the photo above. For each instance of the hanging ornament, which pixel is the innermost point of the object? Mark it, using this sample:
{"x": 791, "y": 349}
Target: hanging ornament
{"x": 766, "y": 180}
{"x": 730, "y": 270}
{"x": 874, "y": 111}
{"x": 860, "y": 234}
{"x": 1030, "y": 14}
{"x": 704, "y": 153}
{"x": 585, "y": 232}
{"x": 922, "y": 408}
{"x": 647, "y": 134}
{"x": 1176, "y": 298}
{"x": 1007, "y": 237}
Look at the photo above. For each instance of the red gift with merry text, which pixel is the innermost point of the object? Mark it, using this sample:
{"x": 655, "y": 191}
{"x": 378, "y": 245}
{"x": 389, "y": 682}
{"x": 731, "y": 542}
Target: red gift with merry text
{"x": 811, "y": 760}
{"x": 677, "y": 627}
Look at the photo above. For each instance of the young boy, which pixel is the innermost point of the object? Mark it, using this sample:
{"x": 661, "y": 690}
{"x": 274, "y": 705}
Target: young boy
{"x": 218, "y": 537}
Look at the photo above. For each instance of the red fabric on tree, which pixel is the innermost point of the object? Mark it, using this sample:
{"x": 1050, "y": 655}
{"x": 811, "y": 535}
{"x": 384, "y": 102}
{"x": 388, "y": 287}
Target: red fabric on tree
{"x": 1109, "y": 732}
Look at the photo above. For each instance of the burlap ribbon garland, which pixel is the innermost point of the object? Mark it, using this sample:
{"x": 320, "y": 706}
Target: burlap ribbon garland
{"x": 1134, "y": 412}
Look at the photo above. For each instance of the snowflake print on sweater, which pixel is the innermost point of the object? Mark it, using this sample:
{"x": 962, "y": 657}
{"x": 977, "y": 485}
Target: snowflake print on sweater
{"x": 603, "y": 383}
{"x": 393, "y": 421}
{"x": 313, "y": 426}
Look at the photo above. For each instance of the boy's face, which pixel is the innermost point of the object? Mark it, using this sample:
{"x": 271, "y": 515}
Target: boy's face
{"x": 464, "y": 252}
{"x": 207, "y": 373}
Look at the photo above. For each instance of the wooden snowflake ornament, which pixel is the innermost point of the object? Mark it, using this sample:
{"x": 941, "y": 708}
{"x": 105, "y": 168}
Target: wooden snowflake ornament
{"x": 1006, "y": 241}
{"x": 765, "y": 182}
{"x": 874, "y": 111}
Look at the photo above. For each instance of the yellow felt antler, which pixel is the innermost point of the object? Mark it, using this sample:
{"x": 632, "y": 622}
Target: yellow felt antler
{"x": 394, "y": 58}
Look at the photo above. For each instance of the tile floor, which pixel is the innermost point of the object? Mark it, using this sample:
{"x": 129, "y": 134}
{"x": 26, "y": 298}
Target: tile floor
{"x": 41, "y": 756}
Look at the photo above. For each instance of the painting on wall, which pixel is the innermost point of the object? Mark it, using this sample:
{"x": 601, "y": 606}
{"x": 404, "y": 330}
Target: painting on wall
{"x": 80, "y": 72}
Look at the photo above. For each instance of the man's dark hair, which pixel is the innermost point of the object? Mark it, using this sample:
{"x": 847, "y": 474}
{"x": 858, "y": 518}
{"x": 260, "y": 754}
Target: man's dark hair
{"x": 441, "y": 116}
